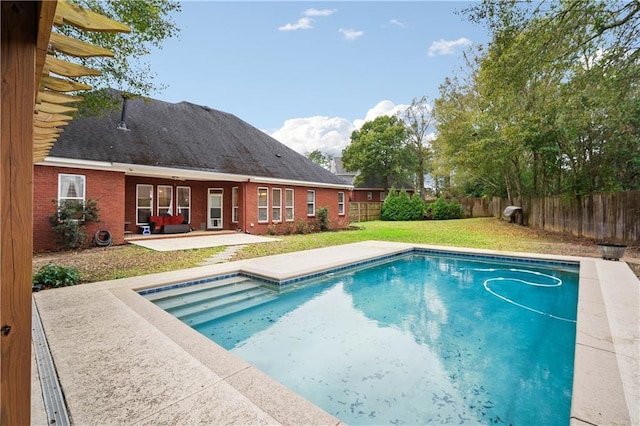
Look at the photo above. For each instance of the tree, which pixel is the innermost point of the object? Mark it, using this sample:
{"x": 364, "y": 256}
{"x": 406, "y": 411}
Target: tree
{"x": 150, "y": 22}
{"x": 380, "y": 151}
{"x": 420, "y": 121}
{"x": 551, "y": 106}
{"x": 321, "y": 158}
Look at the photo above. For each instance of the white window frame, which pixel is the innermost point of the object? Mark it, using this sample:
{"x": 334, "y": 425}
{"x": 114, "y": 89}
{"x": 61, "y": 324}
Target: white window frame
{"x": 165, "y": 208}
{"x": 276, "y": 210}
{"x": 311, "y": 203}
{"x": 150, "y": 189}
{"x": 235, "y": 208}
{"x": 369, "y": 196}
{"x": 263, "y": 208}
{"x": 341, "y": 203}
{"x": 180, "y": 208}
{"x": 383, "y": 195}
{"x": 289, "y": 213}
{"x": 80, "y": 197}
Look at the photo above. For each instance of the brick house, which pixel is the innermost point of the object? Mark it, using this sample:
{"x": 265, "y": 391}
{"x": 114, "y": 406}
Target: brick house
{"x": 205, "y": 168}
{"x": 370, "y": 191}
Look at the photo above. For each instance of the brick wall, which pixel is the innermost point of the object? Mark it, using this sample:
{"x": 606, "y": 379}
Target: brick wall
{"x": 361, "y": 196}
{"x": 106, "y": 187}
{"x": 111, "y": 188}
{"x": 324, "y": 197}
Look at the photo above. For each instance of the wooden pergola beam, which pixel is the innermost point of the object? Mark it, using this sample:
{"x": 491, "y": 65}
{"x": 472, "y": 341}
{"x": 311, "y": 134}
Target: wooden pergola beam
{"x": 25, "y": 28}
{"x": 26, "y": 137}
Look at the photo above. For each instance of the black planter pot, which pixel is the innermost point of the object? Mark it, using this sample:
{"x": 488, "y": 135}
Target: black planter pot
{"x": 611, "y": 251}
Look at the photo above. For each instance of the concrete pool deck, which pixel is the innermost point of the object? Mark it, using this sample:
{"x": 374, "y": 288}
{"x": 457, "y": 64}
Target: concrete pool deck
{"x": 122, "y": 360}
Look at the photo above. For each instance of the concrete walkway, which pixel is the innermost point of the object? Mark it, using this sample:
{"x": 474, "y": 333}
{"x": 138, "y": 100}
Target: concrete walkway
{"x": 223, "y": 256}
{"x": 123, "y": 360}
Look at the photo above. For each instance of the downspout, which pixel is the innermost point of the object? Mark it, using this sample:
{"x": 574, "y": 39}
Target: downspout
{"x": 244, "y": 206}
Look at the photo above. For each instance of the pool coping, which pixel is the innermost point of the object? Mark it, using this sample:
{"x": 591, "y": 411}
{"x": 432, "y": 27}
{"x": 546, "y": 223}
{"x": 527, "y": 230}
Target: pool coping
{"x": 113, "y": 346}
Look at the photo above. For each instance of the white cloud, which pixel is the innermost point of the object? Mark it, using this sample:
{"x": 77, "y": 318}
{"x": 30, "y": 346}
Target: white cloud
{"x": 382, "y": 108}
{"x": 302, "y": 24}
{"x": 319, "y": 12}
{"x": 350, "y": 34}
{"x": 447, "y": 47}
{"x": 305, "y": 22}
{"x": 328, "y": 134}
{"x": 397, "y": 23}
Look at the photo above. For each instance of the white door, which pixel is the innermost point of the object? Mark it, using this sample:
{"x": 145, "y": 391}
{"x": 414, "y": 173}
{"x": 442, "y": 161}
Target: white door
{"x": 215, "y": 211}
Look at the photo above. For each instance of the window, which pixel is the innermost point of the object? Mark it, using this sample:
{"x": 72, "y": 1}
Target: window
{"x": 144, "y": 203}
{"x": 183, "y": 202}
{"x": 311, "y": 202}
{"x": 341, "y": 203}
{"x": 234, "y": 205}
{"x": 369, "y": 196}
{"x": 288, "y": 204}
{"x": 263, "y": 204}
{"x": 71, "y": 188}
{"x": 383, "y": 195}
{"x": 276, "y": 205}
{"x": 165, "y": 199}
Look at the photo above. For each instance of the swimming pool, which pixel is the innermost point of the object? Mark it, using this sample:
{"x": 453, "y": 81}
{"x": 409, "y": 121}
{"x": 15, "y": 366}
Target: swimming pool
{"x": 420, "y": 339}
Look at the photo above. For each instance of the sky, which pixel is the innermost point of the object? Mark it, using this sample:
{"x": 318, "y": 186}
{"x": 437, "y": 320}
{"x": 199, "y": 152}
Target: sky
{"x": 308, "y": 73}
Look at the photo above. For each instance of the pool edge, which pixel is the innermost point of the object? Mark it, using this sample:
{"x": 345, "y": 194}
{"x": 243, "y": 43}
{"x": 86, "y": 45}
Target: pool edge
{"x": 600, "y": 395}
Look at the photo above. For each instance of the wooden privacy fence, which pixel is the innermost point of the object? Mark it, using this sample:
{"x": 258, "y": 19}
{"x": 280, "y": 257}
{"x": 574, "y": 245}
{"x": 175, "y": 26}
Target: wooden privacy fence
{"x": 612, "y": 217}
{"x": 362, "y": 212}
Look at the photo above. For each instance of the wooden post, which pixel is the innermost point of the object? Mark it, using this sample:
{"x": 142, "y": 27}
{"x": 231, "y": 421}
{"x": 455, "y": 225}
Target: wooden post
{"x": 19, "y": 28}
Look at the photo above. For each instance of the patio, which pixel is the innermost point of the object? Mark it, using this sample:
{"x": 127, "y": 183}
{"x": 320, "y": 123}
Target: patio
{"x": 121, "y": 359}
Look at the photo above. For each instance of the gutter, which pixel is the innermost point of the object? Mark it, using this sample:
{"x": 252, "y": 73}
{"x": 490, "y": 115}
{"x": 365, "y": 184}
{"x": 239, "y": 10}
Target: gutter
{"x": 180, "y": 174}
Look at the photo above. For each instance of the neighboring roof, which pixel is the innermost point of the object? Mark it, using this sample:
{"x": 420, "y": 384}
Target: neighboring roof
{"x": 350, "y": 177}
{"x": 338, "y": 169}
{"x": 185, "y": 136}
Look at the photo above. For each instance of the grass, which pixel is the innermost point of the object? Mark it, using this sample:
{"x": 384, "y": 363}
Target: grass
{"x": 100, "y": 264}
{"x": 486, "y": 233}
{"x": 109, "y": 263}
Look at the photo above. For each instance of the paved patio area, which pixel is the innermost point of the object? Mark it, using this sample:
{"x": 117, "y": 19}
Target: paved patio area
{"x": 122, "y": 360}
{"x": 197, "y": 241}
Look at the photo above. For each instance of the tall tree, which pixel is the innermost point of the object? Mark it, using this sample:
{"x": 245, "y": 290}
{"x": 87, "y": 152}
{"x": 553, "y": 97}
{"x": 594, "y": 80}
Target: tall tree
{"x": 418, "y": 118}
{"x": 379, "y": 150}
{"x": 553, "y": 102}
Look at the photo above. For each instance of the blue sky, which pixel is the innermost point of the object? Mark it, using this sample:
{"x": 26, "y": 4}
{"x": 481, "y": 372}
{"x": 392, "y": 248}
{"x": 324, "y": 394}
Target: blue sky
{"x": 309, "y": 73}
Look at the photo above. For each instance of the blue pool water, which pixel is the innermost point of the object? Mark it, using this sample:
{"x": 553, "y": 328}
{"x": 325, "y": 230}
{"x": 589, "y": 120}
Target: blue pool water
{"x": 419, "y": 340}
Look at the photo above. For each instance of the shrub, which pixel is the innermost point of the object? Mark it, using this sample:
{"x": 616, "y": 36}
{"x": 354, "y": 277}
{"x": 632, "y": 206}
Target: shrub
{"x": 68, "y": 222}
{"x": 303, "y": 227}
{"x": 54, "y": 276}
{"x": 442, "y": 210}
{"x": 399, "y": 206}
{"x": 322, "y": 214}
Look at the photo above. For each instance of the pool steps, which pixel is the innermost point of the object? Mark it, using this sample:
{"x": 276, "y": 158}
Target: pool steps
{"x": 198, "y": 304}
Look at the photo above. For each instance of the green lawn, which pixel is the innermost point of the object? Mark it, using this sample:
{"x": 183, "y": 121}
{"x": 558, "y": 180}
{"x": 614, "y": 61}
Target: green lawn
{"x": 99, "y": 264}
{"x": 486, "y": 233}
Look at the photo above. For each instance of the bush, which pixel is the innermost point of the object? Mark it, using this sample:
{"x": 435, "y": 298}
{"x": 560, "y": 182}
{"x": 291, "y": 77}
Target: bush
{"x": 442, "y": 210}
{"x": 68, "y": 222}
{"x": 322, "y": 215}
{"x": 54, "y": 276}
{"x": 303, "y": 227}
{"x": 399, "y": 206}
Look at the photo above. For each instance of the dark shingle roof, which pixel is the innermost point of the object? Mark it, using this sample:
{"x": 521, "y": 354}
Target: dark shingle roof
{"x": 185, "y": 136}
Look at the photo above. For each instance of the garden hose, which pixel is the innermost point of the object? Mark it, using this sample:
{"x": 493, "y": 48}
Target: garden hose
{"x": 102, "y": 238}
